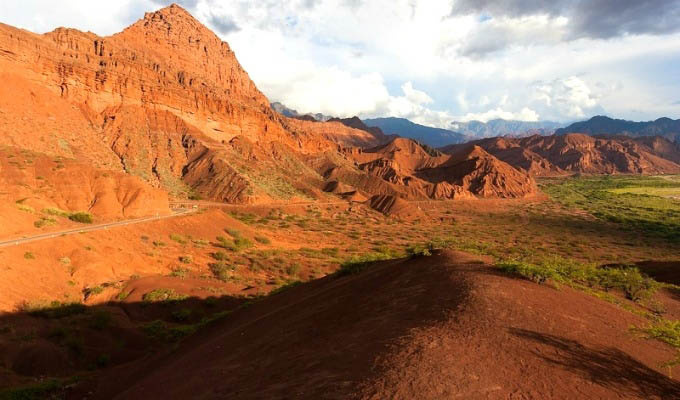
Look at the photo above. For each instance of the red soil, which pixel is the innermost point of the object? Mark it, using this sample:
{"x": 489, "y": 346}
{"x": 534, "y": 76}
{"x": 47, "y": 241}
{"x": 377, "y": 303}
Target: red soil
{"x": 446, "y": 326}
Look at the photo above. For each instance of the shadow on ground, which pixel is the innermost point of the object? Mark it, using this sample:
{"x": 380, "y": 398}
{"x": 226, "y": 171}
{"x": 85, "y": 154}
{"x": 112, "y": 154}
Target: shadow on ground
{"x": 607, "y": 366}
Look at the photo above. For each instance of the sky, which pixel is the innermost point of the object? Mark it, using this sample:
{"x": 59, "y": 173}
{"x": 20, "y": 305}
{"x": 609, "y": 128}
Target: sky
{"x": 431, "y": 61}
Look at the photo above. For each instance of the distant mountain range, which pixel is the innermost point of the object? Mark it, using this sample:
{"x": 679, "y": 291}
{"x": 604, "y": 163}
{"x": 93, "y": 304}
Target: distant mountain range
{"x": 502, "y": 127}
{"x": 602, "y": 125}
{"x": 435, "y": 137}
{"x": 289, "y": 112}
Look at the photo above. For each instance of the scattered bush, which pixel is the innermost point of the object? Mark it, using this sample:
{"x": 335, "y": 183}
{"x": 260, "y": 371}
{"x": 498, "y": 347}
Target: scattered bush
{"x": 178, "y": 238}
{"x": 634, "y": 285}
{"x": 160, "y": 330}
{"x": 238, "y": 244}
{"x": 52, "y": 310}
{"x": 357, "y": 264}
{"x": 667, "y": 332}
{"x": 29, "y": 256}
{"x": 82, "y": 217}
{"x": 262, "y": 239}
{"x": 186, "y": 259}
{"x": 26, "y": 208}
{"x": 532, "y": 272}
{"x": 330, "y": 251}
{"x": 163, "y": 295}
{"x": 221, "y": 270}
{"x": 219, "y": 255}
{"x": 44, "y": 221}
{"x": 179, "y": 272}
{"x": 123, "y": 295}
{"x": 293, "y": 269}
{"x": 233, "y": 232}
{"x": 285, "y": 286}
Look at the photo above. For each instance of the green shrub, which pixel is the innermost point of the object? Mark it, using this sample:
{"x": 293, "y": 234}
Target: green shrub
{"x": 186, "y": 259}
{"x": 667, "y": 332}
{"x": 52, "y": 310}
{"x": 163, "y": 295}
{"x": 123, "y": 295}
{"x": 179, "y": 272}
{"x": 238, "y": 244}
{"x": 285, "y": 286}
{"x": 219, "y": 256}
{"x": 160, "y": 330}
{"x": 428, "y": 248}
{"x": 178, "y": 238}
{"x": 357, "y": 264}
{"x": 82, "y": 217}
{"x": 233, "y": 232}
{"x": 293, "y": 269}
{"x": 26, "y": 208}
{"x": 634, "y": 285}
{"x": 44, "y": 221}
{"x": 29, "y": 256}
{"x": 330, "y": 251}
{"x": 56, "y": 212}
{"x": 221, "y": 270}
{"x": 262, "y": 239}
{"x": 532, "y": 272}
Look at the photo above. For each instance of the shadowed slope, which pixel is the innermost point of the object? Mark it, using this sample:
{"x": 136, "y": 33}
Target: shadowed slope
{"x": 405, "y": 329}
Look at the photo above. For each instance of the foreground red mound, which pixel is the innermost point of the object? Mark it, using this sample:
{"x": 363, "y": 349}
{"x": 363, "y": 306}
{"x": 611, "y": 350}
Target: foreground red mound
{"x": 446, "y": 326}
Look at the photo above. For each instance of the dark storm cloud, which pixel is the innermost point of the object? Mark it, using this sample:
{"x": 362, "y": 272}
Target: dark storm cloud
{"x": 310, "y": 4}
{"x": 223, "y": 24}
{"x": 508, "y": 8}
{"x": 597, "y": 19}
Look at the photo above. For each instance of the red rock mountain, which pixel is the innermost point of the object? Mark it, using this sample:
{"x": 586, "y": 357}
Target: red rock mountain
{"x": 167, "y": 101}
{"x": 556, "y": 155}
{"x": 406, "y": 169}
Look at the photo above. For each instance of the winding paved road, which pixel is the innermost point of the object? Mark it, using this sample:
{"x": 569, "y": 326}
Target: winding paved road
{"x": 176, "y": 212}
{"x": 91, "y": 228}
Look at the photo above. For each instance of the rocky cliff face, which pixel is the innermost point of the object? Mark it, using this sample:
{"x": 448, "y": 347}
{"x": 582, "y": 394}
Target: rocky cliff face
{"x": 167, "y": 101}
{"x": 405, "y": 168}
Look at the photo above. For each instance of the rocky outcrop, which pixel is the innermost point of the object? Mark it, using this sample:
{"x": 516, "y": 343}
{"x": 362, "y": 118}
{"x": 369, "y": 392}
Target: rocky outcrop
{"x": 405, "y": 168}
{"x": 167, "y": 101}
{"x": 43, "y": 182}
{"x": 395, "y": 207}
{"x": 578, "y": 153}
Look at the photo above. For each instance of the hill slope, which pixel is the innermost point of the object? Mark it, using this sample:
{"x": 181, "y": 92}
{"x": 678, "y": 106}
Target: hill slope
{"x": 404, "y": 329}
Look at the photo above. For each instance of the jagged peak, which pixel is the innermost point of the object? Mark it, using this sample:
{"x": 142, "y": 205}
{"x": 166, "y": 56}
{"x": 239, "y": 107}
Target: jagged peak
{"x": 173, "y": 23}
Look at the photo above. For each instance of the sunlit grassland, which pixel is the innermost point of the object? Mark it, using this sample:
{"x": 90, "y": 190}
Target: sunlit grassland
{"x": 637, "y": 203}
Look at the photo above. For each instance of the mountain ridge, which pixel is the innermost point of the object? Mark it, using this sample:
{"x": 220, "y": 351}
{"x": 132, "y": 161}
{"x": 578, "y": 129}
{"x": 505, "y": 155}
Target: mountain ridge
{"x": 435, "y": 137}
{"x": 603, "y": 125}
